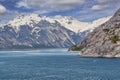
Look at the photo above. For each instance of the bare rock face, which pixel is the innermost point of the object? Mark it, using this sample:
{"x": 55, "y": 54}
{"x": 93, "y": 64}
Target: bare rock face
{"x": 104, "y": 41}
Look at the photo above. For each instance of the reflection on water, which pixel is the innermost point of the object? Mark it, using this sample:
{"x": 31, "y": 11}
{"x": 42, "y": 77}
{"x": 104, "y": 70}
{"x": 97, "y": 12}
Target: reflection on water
{"x": 39, "y": 52}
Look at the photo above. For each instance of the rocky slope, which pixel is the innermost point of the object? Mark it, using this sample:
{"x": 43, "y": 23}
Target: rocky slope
{"x": 104, "y": 41}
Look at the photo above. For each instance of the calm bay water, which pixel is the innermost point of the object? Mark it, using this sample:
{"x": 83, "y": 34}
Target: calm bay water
{"x": 58, "y": 64}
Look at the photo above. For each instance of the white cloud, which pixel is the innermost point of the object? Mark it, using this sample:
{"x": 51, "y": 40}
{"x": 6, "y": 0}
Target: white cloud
{"x": 99, "y": 7}
{"x": 22, "y": 4}
{"x": 50, "y": 4}
{"x": 103, "y": 1}
{"x": 41, "y": 12}
{"x": 2, "y": 9}
{"x": 66, "y": 4}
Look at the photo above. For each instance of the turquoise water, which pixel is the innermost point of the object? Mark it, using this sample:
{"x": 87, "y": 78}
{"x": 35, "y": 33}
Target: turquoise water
{"x": 55, "y": 64}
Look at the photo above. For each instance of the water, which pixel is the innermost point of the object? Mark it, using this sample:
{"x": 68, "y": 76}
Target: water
{"x": 55, "y": 65}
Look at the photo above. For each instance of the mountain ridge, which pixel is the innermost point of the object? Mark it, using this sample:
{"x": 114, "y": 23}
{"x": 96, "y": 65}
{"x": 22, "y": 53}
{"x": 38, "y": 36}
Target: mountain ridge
{"x": 66, "y": 21}
{"x": 35, "y": 31}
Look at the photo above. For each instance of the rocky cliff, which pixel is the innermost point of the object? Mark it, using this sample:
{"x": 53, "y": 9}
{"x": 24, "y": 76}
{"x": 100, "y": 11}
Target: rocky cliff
{"x": 104, "y": 41}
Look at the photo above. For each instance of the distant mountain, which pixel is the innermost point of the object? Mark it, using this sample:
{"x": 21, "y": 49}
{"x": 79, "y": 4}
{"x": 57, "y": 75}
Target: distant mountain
{"x": 34, "y": 31}
{"x": 104, "y": 41}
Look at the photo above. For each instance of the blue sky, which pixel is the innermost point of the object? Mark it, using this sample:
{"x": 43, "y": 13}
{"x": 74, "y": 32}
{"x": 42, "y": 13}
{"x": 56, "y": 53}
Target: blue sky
{"x": 83, "y": 10}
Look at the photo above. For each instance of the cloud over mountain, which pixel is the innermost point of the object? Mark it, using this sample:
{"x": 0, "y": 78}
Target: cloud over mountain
{"x": 99, "y": 7}
{"x": 51, "y": 4}
{"x": 2, "y": 9}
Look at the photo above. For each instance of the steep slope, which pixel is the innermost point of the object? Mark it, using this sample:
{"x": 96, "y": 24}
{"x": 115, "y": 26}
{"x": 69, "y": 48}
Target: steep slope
{"x": 104, "y": 41}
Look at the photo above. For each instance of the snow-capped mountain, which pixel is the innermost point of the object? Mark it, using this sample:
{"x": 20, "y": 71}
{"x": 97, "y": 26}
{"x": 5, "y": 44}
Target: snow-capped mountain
{"x": 72, "y": 23}
{"x": 66, "y": 21}
{"x": 78, "y": 26}
{"x": 35, "y": 31}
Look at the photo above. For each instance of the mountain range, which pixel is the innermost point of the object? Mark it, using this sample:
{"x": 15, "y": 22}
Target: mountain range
{"x": 35, "y": 31}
